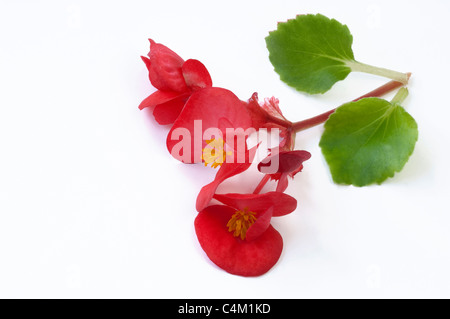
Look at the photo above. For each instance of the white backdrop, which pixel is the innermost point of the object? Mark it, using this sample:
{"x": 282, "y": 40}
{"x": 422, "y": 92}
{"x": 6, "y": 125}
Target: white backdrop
{"x": 92, "y": 205}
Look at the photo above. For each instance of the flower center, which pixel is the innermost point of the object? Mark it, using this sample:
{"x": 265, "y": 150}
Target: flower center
{"x": 214, "y": 153}
{"x": 240, "y": 222}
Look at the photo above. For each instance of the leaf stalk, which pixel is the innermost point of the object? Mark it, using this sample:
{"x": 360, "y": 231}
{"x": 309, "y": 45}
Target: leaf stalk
{"x": 322, "y": 118}
{"x": 390, "y": 74}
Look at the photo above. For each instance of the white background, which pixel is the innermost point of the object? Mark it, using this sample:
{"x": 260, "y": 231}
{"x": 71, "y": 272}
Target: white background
{"x": 92, "y": 204}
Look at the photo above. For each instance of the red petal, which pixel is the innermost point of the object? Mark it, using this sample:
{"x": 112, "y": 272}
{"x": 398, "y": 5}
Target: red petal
{"x": 236, "y": 256}
{"x": 206, "y": 107}
{"x": 272, "y": 106}
{"x": 259, "y": 115}
{"x": 226, "y": 171}
{"x": 282, "y": 204}
{"x": 268, "y": 114}
{"x": 158, "y": 97}
{"x": 283, "y": 183}
{"x": 260, "y": 226}
{"x": 147, "y": 62}
{"x": 167, "y": 113}
{"x": 165, "y": 68}
{"x": 196, "y": 75}
{"x": 288, "y": 162}
{"x": 236, "y": 141}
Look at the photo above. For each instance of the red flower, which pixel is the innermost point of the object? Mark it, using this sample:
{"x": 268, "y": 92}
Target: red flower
{"x": 288, "y": 164}
{"x": 238, "y": 237}
{"x": 175, "y": 80}
{"x": 209, "y": 112}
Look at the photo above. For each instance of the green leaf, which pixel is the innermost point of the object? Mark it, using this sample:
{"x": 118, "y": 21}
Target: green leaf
{"x": 312, "y": 52}
{"x": 366, "y": 142}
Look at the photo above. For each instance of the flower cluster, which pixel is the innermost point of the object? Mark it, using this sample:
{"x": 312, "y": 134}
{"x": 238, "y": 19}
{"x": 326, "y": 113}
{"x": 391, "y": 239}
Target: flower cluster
{"x": 211, "y": 125}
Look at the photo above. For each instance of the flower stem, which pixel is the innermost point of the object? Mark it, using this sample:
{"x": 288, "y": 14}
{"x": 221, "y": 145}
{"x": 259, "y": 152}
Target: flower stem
{"x": 261, "y": 184}
{"x": 280, "y": 122}
{"x": 382, "y": 90}
{"x": 366, "y": 68}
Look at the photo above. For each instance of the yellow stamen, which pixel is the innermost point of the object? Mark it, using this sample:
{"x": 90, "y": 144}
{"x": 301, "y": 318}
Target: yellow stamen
{"x": 240, "y": 222}
{"x": 214, "y": 154}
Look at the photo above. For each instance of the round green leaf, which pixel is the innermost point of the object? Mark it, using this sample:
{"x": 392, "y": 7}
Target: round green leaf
{"x": 310, "y": 52}
{"x": 366, "y": 142}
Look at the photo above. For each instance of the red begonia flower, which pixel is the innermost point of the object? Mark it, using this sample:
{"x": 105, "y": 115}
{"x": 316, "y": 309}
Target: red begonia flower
{"x": 267, "y": 114}
{"x": 238, "y": 237}
{"x": 209, "y": 112}
{"x": 175, "y": 80}
{"x": 288, "y": 164}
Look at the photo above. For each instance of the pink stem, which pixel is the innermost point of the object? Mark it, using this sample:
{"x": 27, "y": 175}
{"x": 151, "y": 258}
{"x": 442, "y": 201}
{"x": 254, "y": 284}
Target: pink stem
{"x": 319, "y": 119}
